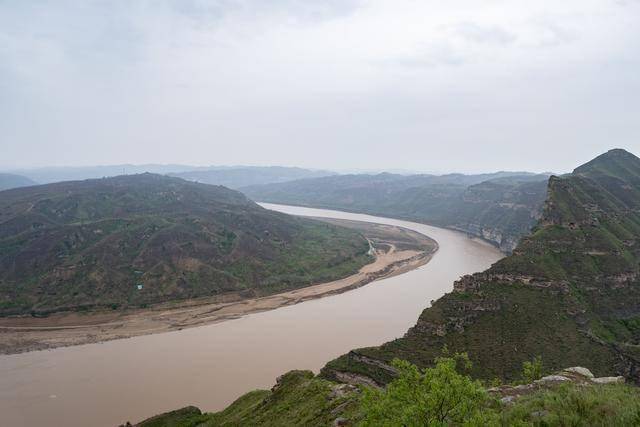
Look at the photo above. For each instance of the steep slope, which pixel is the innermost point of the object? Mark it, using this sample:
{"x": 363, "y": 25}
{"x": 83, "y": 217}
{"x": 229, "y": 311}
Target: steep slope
{"x": 242, "y": 176}
{"x": 570, "y": 292}
{"x": 140, "y": 239}
{"x": 498, "y": 207}
{"x": 9, "y": 180}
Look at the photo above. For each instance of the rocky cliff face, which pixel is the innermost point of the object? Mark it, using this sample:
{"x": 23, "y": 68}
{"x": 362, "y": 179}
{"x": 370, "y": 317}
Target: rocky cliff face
{"x": 505, "y": 242}
{"x": 501, "y": 211}
{"x": 569, "y": 292}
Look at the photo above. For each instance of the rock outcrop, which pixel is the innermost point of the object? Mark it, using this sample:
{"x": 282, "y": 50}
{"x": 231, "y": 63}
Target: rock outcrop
{"x": 508, "y": 394}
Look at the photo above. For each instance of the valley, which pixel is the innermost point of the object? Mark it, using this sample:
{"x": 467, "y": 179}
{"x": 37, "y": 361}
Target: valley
{"x": 568, "y": 293}
{"x": 108, "y": 383}
{"x": 498, "y": 207}
{"x": 342, "y": 213}
{"x": 557, "y": 320}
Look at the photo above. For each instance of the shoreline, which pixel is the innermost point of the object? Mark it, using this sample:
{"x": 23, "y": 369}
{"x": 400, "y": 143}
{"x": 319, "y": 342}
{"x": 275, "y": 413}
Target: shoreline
{"x": 26, "y": 334}
{"x": 380, "y": 214}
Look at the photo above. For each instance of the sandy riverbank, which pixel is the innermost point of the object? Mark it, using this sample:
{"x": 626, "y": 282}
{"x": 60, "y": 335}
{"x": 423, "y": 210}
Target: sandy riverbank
{"x": 396, "y": 250}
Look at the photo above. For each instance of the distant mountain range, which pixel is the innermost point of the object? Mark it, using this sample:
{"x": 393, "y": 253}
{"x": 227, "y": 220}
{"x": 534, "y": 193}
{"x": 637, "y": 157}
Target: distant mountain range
{"x": 229, "y": 176}
{"x": 499, "y": 207}
{"x": 249, "y": 175}
{"x": 134, "y": 240}
{"x": 48, "y": 175}
{"x": 569, "y": 293}
{"x": 9, "y": 180}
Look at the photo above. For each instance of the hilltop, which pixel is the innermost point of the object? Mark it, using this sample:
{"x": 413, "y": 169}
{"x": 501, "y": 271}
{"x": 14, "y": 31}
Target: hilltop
{"x": 499, "y": 207}
{"x": 135, "y": 240}
{"x": 569, "y": 292}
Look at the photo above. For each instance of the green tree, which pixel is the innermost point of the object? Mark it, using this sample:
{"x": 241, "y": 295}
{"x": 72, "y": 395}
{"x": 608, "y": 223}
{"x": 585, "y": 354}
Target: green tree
{"x": 437, "y": 396}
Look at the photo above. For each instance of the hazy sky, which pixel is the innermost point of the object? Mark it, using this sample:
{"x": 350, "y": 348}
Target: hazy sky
{"x": 437, "y": 86}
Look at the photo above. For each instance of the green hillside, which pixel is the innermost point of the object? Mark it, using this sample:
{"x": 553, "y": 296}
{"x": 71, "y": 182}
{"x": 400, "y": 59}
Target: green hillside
{"x": 499, "y": 207}
{"x": 569, "y": 292}
{"x": 142, "y": 239}
{"x": 439, "y": 396}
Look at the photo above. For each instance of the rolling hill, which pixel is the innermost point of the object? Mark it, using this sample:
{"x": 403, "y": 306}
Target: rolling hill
{"x": 141, "y": 239}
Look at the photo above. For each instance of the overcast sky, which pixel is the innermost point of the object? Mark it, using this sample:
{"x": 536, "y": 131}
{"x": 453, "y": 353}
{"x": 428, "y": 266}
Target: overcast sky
{"x": 433, "y": 86}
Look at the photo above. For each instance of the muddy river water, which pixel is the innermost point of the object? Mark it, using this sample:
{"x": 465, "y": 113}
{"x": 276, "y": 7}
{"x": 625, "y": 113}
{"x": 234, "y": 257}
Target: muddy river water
{"x": 209, "y": 366}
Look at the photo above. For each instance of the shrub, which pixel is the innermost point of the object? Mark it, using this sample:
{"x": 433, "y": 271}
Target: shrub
{"x": 532, "y": 370}
{"x": 437, "y": 396}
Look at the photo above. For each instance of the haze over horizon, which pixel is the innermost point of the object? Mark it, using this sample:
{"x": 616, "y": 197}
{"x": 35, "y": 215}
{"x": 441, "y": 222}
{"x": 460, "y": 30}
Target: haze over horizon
{"x": 338, "y": 85}
{"x": 169, "y": 168}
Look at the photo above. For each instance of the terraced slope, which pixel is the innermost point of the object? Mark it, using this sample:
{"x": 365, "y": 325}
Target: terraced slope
{"x": 142, "y": 239}
{"x": 570, "y": 291}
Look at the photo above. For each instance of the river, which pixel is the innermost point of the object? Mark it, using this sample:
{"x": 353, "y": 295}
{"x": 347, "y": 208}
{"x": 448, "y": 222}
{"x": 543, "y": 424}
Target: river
{"x": 209, "y": 366}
